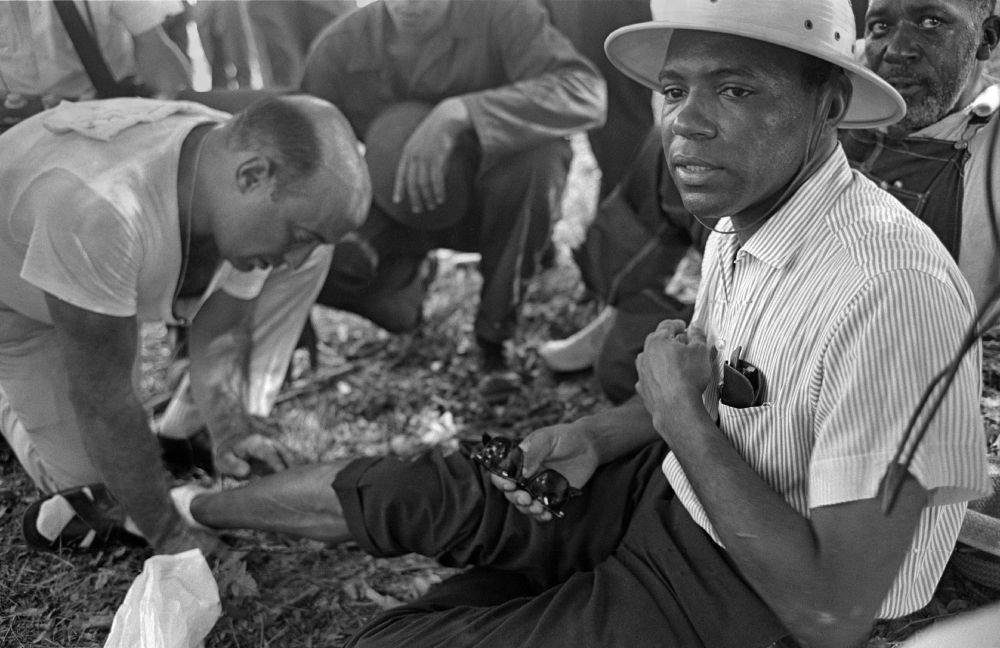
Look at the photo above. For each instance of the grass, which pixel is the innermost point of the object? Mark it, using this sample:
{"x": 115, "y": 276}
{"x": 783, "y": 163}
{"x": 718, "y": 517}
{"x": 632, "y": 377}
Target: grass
{"x": 404, "y": 393}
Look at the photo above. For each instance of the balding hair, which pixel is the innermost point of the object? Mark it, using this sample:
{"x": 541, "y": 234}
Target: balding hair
{"x": 279, "y": 129}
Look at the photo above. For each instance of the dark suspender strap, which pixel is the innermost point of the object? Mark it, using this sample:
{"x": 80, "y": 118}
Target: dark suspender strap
{"x": 86, "y": 48}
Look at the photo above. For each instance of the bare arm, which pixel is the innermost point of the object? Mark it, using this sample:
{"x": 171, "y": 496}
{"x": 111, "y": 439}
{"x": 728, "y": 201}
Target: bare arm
{"x": 99, "y": 352}
{"x": 160, "y": 63}
{"x": 221, "y": 342}
{"x": 824, "y": 576}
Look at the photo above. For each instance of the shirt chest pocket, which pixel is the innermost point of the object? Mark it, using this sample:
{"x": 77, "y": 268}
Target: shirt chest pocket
{"x": 766, "y": 436}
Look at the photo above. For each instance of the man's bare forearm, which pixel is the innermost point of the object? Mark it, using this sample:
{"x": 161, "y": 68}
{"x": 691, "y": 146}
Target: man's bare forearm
{"x": 619, "y": 430}
{"x": 121, "y": 446}
{"x": 813, "y": 571}
{"x": 99, "y": 353}
{"x": 221, "y": 345}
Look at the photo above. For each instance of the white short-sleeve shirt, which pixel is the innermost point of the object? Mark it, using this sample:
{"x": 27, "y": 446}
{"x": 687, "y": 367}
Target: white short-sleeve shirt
{"x": 849, "y": 306}
{"x": 95, "y": 223}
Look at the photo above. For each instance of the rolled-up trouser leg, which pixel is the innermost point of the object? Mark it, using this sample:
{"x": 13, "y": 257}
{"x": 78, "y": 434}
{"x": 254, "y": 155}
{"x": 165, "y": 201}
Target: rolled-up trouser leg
{"x": 519, "y": 198}
{"x": 664, "y": 583}
{"x": 446, "y": 507}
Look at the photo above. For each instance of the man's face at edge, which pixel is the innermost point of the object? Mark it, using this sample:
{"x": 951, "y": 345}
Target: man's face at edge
{"x": 926, "y": 49}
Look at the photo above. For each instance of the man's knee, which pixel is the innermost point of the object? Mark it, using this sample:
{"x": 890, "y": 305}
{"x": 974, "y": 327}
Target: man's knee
{"x": 391, "y": 297}
{"x": 51, "y": 454}
{"x": 422, "y": 505}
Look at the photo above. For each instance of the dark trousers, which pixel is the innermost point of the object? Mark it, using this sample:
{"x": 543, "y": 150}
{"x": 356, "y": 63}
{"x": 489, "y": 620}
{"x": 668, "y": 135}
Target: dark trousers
{"x": 627, "y": 566}
{"x": 514, "y": 202}
{"x": 630, "y": 114}
{"x": 637, "y": 317}
{"x": 639, "y": 236}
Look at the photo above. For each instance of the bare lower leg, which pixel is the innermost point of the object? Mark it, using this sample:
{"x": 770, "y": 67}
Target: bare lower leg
{"x": 299, "y": 501}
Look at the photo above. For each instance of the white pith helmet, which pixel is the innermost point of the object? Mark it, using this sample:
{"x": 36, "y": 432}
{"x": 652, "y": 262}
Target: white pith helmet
{"x": 820, "y": 28}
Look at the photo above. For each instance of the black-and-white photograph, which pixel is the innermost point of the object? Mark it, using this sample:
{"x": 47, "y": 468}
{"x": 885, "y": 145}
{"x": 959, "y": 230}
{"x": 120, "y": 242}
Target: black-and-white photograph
{"x": 500, "y": 323}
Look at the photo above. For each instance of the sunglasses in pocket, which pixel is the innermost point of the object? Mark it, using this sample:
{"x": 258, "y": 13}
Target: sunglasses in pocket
{"x": 743, "y": 384}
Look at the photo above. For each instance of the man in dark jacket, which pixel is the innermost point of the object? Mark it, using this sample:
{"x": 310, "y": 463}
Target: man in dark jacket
{"x": 481, "y": 169}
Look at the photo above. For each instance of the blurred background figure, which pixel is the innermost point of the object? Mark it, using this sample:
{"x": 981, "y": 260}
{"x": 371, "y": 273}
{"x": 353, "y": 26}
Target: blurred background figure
{"x": 489, "y": 91}
{"x": 283, "y": 31}
{"x": 176, "y": 27}
{"x": 630, "y": 116}
{"x": 616, "y": 146}
{"x": 38, "y": 57}
{"x": 227, "y": 41}
{"x": 635, "y": 260}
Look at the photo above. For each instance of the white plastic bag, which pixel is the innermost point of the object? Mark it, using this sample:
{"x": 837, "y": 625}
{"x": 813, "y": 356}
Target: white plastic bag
{"x": 173, "y": 603}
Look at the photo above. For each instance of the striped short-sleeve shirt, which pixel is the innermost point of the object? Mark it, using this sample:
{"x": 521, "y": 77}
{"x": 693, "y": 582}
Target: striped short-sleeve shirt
{"x": 849, "y": 306}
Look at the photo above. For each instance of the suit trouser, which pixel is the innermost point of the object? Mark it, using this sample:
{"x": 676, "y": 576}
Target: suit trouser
{"x": 587, "y": 24}
{"x": 627, "y": 566}
{"x": 37, "y": 418}
{"x": 637, "y": 316}
{"x": 514, "y": 202}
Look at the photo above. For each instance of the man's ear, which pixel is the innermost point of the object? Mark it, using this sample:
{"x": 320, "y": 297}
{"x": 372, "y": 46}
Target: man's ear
{"x": 991, "y": 36}
{"x": 254, "y": 172}
{"x": 840, "y": 98}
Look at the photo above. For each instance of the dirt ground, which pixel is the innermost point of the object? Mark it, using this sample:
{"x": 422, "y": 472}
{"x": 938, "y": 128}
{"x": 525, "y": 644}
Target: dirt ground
{"x": 399, "y": 394}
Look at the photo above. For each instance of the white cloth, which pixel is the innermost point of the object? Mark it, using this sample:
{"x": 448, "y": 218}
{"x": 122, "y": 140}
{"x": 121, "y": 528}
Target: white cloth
{"x": 849, "y": 306}
{"x": 103, "y": 120}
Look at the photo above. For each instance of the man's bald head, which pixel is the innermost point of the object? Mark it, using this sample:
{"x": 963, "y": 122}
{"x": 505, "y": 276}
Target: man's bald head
{"x": 303, "y": 135}
{"x": 282, "y": 176}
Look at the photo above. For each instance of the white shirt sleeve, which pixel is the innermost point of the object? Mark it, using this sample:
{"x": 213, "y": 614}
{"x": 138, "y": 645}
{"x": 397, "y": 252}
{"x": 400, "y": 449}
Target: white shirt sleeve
{"x": 91, "y": 258}
{"x": 140, "y": 17}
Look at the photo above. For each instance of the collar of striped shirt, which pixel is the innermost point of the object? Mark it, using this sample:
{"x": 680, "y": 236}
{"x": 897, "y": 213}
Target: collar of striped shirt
{"x": 776, "y": 242}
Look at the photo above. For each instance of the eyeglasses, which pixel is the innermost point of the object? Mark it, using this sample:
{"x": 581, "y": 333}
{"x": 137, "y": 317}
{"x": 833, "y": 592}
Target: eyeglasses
{"x": 742, "y": 383}
{"x": 504, "y": 458}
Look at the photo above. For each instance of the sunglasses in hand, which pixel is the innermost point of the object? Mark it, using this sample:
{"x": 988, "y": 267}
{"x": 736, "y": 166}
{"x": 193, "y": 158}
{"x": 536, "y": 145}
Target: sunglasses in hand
{"x": 504, "y": 458}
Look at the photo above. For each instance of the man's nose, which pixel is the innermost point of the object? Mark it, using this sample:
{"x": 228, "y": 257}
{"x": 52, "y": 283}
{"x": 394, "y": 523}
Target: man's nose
{"x": 691, "y": 118}
{"x": 901, "y": 45}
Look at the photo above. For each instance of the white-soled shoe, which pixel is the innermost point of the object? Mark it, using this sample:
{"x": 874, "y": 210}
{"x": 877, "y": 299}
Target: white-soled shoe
{"x": 579, "y": 351}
